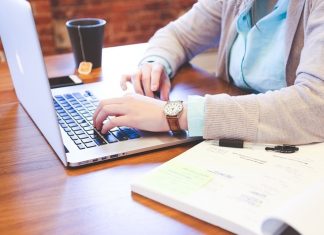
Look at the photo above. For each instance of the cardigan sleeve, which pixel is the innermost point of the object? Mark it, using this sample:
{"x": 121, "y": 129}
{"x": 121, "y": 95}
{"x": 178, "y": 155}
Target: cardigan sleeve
{"x": 190, "y": 34}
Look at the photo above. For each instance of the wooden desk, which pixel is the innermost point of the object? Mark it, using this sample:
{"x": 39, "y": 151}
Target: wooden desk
{"x": 39, "y": 196}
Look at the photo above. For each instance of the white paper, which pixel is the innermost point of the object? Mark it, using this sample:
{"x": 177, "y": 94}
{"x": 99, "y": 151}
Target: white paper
{"x": 234, "y": 188}
{"x": 304, "y": 213}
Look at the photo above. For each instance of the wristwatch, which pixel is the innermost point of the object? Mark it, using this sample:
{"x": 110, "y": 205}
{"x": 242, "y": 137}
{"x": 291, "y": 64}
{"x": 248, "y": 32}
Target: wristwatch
{"x": 172, "y": 111}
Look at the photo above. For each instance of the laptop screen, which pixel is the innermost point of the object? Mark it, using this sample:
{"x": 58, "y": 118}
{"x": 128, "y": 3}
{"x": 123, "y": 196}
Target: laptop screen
{"x": 27, "y": 69}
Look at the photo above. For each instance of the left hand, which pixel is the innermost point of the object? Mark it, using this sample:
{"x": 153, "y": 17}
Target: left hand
{"x": 132, "y": 110}
{"x": 149, "y": 78}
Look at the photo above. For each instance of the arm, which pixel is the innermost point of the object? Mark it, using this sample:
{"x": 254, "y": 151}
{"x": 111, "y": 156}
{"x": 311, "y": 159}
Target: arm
{"x": 291, "y": 115}
{"x": 189, "y": 35}
{"x": 175, "y": 44}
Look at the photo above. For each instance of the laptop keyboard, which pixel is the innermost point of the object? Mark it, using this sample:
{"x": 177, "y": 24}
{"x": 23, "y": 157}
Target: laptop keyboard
{"x": 75, "y": 111}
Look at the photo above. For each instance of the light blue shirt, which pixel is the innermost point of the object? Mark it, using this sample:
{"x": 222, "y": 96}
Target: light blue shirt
{"x": 256, "y": 60}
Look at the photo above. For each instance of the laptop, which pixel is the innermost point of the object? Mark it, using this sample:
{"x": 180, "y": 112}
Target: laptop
{"x": 64, "y": 115}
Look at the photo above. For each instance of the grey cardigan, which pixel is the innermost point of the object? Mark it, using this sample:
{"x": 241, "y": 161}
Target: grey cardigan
{"x": 292, "y": 115}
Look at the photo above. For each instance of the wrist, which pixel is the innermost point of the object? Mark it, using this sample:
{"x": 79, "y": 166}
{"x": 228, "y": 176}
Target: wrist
{"x": 175, "y": 115}
{"x": 183, "y": 117}
{"x": 162, "y": 61}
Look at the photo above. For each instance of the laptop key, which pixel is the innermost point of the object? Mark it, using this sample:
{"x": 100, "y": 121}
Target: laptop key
{"x": 131, "y": 133}
{"x": 87, "y": 140}
{"x": 99, "y": 141}
{"x": 97, "y": 138}
{"x": 81, "y": 146}
{"x": 81, "y": 121}
{"x": 77, "y": 142}
{"x": 78, "y": 106}
{"x": 59, "y": 97}
{"x": 76, "y": 128}
{"x": 74, "y": 137}
{"x": 69, "y": 121}
{"x": 79, "y": 132}
{"x": 121, "y": 136}
{"x": 89, "y": 93}
{"x": 85, "y": 124}
{"x": 78, "y": 117}
{"x": 70, "y": 133}
{"x": 92, "y": 136}
{"x": 83, "y": 136}
{"x": 88, "y": 128}
{"x": 110, "y": 138}
{"x": 60, "y": 111}
{"x": 66, "y": 117}
{"x": 90, "y": 145}
{"x": 73, "y": 125}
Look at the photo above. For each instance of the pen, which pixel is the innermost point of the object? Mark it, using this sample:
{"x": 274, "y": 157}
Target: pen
{"x": 238, "y": 143}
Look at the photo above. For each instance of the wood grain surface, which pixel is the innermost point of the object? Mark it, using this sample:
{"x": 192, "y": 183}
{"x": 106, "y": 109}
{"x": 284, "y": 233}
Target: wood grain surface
{"x": 39, "y": 196}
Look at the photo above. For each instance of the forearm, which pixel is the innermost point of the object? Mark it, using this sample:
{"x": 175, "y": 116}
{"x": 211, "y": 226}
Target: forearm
{"x": 290, "y": 115}
{"x": 293, "y": 115}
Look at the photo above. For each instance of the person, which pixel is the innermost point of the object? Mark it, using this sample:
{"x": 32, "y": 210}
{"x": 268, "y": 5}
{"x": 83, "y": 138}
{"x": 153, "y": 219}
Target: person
{"x": 272, "y": 48}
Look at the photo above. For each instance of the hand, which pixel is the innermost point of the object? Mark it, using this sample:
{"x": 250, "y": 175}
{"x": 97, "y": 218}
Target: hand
{"x": 131, "y": 110}
{"x": 149, "y": 79}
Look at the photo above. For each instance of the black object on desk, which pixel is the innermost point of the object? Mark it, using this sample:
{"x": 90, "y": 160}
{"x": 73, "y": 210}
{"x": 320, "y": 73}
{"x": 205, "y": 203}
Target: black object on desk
{"x": 238, "y": 143}
{"x": 283, "y": 148}
{"x": 64, "y": 81}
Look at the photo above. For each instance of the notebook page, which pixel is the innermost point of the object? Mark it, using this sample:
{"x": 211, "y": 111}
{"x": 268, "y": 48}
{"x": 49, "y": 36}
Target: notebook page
{"x": 240, "y": 186}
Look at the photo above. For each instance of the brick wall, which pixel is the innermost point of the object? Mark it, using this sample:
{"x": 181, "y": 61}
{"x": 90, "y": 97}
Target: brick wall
{"x": 42, "y": 10}
{"x": 129, "y": 21}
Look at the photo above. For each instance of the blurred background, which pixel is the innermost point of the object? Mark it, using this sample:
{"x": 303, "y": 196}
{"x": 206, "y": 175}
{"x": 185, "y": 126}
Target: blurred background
{"x": 129, "y": 21}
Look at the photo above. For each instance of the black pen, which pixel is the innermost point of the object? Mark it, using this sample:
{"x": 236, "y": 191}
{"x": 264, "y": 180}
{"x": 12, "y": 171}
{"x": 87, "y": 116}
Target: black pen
{"x": 238, "y": 143}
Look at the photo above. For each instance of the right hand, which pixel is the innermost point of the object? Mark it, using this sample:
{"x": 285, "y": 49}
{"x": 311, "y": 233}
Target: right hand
{"x": 149, "y": 79}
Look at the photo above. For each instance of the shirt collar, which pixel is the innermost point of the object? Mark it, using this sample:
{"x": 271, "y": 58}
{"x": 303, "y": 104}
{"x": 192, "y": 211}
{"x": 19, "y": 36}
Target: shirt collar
{"x": 279, "y": 12}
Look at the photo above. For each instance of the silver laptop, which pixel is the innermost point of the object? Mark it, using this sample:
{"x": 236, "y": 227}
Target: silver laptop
{"x": 64, "y": 115}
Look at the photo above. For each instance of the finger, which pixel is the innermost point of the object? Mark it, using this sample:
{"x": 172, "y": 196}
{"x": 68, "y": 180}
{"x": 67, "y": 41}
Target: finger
{"x": 146, "y": 79}
{"x": 124, "y": 79}
{"x": 156, "y": 74}
{"x": 105, "y": 112}
{"x": 137, "y": 82}
{"x": 165, "y": 89}
{"x": 95, "y": 115}
{"x": 102, "y": 104}
{"x": 114, "y": 122}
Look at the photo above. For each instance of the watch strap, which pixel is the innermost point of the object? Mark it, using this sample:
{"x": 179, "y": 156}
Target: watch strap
{"x": 174, "y": 123}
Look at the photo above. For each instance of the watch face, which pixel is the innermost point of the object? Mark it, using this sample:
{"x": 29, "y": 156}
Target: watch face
{"x": 173, "y": 108}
